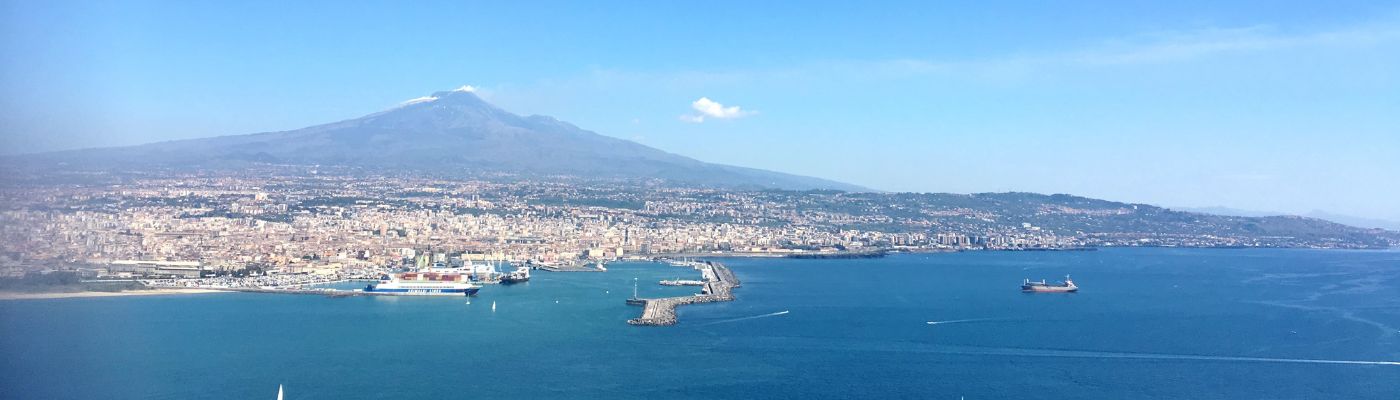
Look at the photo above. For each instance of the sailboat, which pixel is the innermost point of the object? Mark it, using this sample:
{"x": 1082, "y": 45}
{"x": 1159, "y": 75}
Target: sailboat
{"x": 279, "y": 392}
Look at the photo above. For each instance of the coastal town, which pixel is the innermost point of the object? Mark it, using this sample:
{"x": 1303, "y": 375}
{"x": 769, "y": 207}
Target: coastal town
{"x": 335, "y": 225}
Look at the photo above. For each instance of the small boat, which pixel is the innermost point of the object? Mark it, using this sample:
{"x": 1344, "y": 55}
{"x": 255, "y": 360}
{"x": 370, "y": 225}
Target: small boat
{"x": 1044, "y": 287}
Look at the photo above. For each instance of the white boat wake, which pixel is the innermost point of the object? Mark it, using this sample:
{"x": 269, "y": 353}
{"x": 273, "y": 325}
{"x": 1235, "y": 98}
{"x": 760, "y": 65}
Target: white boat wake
{"x": 784, "y": 312}
{"x": 959, "y": 321}
{"x": 1019, "y": 352}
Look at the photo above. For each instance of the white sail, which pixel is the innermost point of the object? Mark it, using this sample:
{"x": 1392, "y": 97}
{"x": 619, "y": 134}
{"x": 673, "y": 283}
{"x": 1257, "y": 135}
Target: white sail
{"x": 279, "y": 392}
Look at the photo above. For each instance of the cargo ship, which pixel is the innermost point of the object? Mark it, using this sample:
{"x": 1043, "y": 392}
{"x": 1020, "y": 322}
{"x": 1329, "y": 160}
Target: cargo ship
{"x": 521, "y": 274}
{"x": 1042, "y": 287}
{"x": 425, "y": 284}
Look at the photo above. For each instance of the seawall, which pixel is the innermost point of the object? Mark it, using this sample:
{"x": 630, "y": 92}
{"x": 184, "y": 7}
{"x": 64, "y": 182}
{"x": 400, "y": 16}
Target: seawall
{"x": 719, "y": 286}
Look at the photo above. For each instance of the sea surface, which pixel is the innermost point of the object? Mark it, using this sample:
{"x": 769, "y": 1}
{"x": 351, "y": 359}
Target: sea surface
{"x": 1148, "y": 324}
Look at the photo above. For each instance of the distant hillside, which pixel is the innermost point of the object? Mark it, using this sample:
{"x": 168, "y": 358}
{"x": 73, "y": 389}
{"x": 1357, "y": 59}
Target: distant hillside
{"x": 453, "y": 131}
{"x": 1319, "y": 214}
{"x": 1227, "y": 211}
{"x": 1068, "y": 215}
{"x": 457, "y": 133}
{"x": 1356, "y": 221}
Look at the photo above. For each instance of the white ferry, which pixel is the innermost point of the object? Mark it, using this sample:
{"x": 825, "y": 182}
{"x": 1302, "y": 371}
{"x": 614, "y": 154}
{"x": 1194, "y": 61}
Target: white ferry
{"x": 425, "y": 284}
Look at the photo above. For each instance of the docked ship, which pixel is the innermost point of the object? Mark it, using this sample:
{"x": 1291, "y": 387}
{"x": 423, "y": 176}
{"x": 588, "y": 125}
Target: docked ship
{"x": 521, "y": 274}
{"x": 425, "y": 284}
{"x": 1043, "y": 287}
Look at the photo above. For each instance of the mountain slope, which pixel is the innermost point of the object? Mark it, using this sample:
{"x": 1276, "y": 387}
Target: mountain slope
{"x": 446, "y": 132}
{"x": 1094, "y": 221}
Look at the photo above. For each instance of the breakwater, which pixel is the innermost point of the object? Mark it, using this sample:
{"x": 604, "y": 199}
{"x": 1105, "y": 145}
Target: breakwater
{"x": 571, "y": 267}
{"x": 719, "y": 283}
{"x": 840, "y": 255}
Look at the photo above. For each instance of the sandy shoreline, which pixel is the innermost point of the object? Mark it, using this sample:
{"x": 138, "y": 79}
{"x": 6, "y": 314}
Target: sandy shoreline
{"x": 65, "y": 295}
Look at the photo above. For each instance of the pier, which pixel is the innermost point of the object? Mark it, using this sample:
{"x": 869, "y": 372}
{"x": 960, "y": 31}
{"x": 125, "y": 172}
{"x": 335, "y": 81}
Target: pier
{"x": 840, "y": 254}
{"x": 572, "y": 267}
{"x": 718, "y": 285}
{"x": 322, "y": 292}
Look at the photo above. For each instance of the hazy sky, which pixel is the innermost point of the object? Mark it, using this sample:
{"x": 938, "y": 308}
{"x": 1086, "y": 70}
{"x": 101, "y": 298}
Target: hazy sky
{"x": 1269, "y": 105}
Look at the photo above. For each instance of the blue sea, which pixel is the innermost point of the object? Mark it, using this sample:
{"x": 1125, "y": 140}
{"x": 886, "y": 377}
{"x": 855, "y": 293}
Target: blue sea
{"x": 1147, "y": 324}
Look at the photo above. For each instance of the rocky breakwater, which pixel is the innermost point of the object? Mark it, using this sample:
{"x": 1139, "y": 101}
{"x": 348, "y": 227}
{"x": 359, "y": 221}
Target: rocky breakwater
{"x": 719, "y": 286}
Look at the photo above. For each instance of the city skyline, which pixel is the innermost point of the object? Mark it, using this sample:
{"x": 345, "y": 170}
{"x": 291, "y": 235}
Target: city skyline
{"x": 1287, "y": 108}
{"x": 548, "y": 199}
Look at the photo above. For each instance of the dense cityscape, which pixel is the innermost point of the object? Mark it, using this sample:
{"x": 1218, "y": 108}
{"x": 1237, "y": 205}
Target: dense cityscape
{"x": 751, "y": 200}
{"x": 306, "y": 220}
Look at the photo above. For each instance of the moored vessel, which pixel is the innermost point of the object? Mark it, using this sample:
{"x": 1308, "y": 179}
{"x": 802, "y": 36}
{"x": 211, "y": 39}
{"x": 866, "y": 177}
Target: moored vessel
{"x": 521, "y": 274}
{"x": 1044, "y": 287}
{"x": 425, "y": 284}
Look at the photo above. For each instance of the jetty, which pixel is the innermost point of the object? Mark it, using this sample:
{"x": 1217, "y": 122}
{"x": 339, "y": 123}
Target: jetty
{"x": 572, "y": 267}
{"x": 840, "y": 254}
{"x": 310, "y": 291}
{"x": 718, "y": 285}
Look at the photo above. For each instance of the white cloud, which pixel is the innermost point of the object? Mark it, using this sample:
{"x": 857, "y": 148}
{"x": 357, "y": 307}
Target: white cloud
{"x": 712, "y": 109}
{"x": 465, "y": 88}
{"x": 418, "y": 100}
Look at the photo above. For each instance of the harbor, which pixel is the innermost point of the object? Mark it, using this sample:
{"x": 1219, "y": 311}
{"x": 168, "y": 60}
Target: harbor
{"x": 717, "y": 285}
{"x": 466, "y": 278}
{"x": 312, "y": 291}
{"x": 459, "y": 278}
{"x": 713, "y": 342}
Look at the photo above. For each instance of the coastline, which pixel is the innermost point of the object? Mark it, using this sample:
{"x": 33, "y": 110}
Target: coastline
{"x": 67, "y": 295}
{"x": 862, "y": 254}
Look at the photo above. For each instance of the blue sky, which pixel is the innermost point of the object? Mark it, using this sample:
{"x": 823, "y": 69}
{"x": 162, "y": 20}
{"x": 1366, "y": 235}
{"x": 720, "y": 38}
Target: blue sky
{"x": 1271, "y": 105}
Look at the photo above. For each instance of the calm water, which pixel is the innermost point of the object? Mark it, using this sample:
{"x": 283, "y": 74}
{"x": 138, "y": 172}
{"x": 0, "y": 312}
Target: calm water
{"x": 1150, "y": 323}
